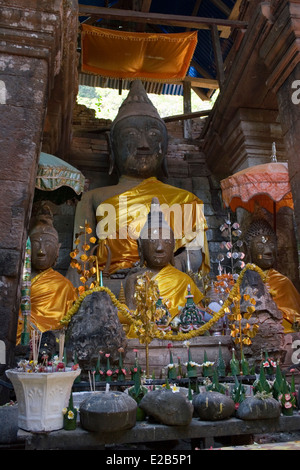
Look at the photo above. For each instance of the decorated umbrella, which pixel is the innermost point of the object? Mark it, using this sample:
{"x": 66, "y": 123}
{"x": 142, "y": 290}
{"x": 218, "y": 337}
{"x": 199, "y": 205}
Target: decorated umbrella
{"x": 265, "y": 185}
{"x": 58, "y": 177}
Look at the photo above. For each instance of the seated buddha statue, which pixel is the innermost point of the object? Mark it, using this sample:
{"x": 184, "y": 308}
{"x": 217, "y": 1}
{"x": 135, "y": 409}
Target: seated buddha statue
{"x": 261, "y": 243}
{"x": 156, "y": 248}
{"x": 52, "y": 295}
{"x": 138, "y": 145}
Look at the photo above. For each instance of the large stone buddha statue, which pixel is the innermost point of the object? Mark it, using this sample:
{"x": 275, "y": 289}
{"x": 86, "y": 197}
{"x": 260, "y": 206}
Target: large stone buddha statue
{"x": 138, "y": 141}
{"x": 261, "y": 243}
{"x": 52, "y": 295}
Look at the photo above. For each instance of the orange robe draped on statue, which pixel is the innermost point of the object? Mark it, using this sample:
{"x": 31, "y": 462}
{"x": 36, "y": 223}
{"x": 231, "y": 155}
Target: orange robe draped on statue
{"x": 286, "y": 297}
{"x": 52, "y": 295}
{"x": 188, "y": 221}
{"x": 173, "y": 285}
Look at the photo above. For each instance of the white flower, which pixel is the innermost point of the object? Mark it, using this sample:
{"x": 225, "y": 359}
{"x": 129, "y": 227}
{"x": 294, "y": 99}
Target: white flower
{"x": 175, "y": 389}
{"x": 186, "y": 344}
{"x": 192, "y": 364}
{"x": 208, "y": 363}
{"x": 170, "y": 366}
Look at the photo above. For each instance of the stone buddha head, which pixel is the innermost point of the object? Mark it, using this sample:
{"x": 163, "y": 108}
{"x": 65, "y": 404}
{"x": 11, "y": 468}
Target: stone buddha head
{"x": 138, "y": 137}
{"x": 261, "y": 244}
{"x": 44, "y": 241}
{"x": 156, "y": 241}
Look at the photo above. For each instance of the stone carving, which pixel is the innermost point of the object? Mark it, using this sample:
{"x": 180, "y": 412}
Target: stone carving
{"x": 261, "y": 244}
{"x": 95, "y": 327}
{"x": 168, "y": 407}
{"x": 52, "y": 295}
{"x": 270, "y": 334}
{"x": 156, "y": 249}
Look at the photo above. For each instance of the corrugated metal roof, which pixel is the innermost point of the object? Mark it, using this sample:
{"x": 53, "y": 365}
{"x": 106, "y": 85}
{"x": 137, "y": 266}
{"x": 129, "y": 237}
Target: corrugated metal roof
{"x": 204, "y": 53}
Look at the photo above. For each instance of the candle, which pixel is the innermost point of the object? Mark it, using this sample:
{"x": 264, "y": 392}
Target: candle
{"x": 97, "y": 270}
{"x": 61, "y": 345}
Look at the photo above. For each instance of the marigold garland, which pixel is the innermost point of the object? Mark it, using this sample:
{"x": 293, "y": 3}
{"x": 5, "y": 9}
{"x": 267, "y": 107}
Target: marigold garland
{"x": 161, "y": 335}
{"x": 67, "y": 318}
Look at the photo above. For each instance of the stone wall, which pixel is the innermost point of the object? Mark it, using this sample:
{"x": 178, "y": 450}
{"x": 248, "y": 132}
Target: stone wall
{"x": 32, "y": 55}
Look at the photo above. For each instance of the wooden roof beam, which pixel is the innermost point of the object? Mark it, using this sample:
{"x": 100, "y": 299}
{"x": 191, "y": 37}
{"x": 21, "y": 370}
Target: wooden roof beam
{"x": 186, "y": 116}
{"x": 209, "y": 83}
{"x": 218, "y": 54}
{"x": 193, "y": 22}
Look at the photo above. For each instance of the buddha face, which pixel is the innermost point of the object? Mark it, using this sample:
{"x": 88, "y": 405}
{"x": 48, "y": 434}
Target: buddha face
{"x": 158, "y": 249}
{"x": 139, "y": 146}
{"x": 44, "y": 250}
{"x": 263, "y": 251}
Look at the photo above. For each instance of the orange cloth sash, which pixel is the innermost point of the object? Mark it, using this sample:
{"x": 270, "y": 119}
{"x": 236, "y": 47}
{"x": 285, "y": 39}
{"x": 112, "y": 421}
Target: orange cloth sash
{"x": 120, "y": 54}
{"x": 172, "y": 285}
{"x": 52, "y": 295}
{"x": 286, "y": 297}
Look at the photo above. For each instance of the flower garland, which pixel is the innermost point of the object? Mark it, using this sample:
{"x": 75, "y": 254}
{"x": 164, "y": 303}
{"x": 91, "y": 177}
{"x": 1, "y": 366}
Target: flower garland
{"x": 159, "y": 334}
{"x": 67, "y": 318}
{"x": 233, "y": 293}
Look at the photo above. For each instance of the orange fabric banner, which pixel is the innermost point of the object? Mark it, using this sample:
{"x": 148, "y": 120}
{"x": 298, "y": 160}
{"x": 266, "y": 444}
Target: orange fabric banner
{"x": 119, "y": 54}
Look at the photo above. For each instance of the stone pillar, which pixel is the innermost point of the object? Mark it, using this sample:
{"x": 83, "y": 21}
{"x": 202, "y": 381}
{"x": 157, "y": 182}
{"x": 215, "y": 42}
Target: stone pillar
{"x": 21, "y": 118}
{"x": 281, "y": 54}
{"x": 30, "y": 57}
{"x": 247, "y": 140}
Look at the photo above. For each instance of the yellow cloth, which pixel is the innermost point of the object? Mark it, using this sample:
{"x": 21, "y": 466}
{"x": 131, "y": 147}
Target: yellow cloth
{"x": 124, "y": 251}
{"x": 172, "y": 285}
{"x": 52, "y": 295}
{"x": 173, "y": 288}
{"x": 122, "y": 54}
{"x": 286, "y": 297}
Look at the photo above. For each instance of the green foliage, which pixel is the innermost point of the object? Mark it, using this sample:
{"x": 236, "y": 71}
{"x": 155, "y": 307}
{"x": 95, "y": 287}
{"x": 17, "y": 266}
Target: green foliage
{"x": 234, "y": 364}
{"x": 238, "y": 393}
{"x": 215, "y": 386}
{"x": 244, "y": 365}
{"x": 262, "y": 385}
{"x": 221, "y": 366}
{"x": 106, "y": 102}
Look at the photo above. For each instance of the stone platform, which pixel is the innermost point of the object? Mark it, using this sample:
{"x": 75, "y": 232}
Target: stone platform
{"x": 159, "y": 355}
{"x": 145, "y": 432}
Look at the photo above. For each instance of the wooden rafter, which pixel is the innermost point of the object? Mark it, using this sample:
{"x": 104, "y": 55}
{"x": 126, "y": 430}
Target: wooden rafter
{"x": 158, "y": 18}
{"x": 218, "y": 54}
{"x": 185, "y": 116}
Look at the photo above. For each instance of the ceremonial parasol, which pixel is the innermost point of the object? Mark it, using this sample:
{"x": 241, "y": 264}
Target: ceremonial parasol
{"x": 265, "y": 185}
{"x": 55, "y": 174}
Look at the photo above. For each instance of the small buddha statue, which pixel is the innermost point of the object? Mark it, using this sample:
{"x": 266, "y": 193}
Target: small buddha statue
{"x": 261, "y": 243}
{"x": 156, "y": 247}
{"x": 138, "y": 145}
{"x": 52, "y": 295}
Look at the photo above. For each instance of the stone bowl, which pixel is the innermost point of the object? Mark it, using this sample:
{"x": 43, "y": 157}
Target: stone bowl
{"x": 108, "y": 412}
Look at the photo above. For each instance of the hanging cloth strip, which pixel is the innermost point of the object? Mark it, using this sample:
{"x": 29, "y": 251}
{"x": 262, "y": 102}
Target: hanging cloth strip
{"x": 146, "y": 56}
